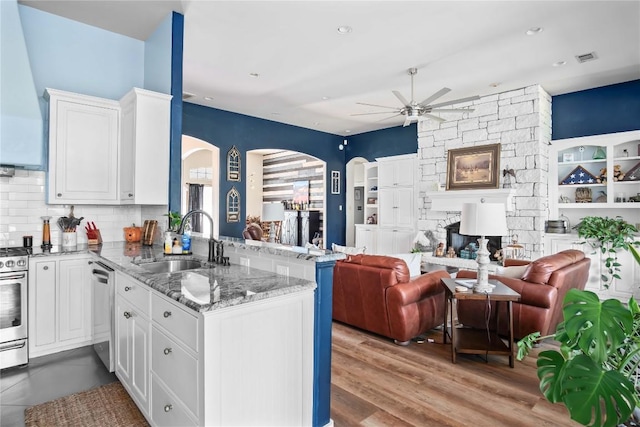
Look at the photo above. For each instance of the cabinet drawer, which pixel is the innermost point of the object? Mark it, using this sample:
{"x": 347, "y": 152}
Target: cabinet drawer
{"x": 166, "y": 410}
{"x": 134, "y": 292}
{"x": 166, "y": 355}
{"x": 176, "y": 321}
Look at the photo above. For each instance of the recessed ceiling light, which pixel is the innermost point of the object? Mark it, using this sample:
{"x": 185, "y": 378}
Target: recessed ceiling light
{"x": 559, "y": 63}
{"x": 494, "y": 85}
{"x": 533, "y": 31}
{"x": 208, "y": 98}
{"x": 254, "y": 74}
{"x": 324, "y": 98}
{"x": 347, "y": 131}
{"x": 344, "y": 29}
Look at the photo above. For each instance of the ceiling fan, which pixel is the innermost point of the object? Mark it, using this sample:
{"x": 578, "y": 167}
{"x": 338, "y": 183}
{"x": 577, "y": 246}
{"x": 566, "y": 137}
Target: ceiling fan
{"x": 414, "y": 111}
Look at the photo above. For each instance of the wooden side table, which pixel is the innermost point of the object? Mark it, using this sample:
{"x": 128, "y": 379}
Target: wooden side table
{"x": 478, "y": 341}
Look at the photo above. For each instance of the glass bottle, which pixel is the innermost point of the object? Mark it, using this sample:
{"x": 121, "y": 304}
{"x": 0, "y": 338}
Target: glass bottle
{"x": 46, "y": 233}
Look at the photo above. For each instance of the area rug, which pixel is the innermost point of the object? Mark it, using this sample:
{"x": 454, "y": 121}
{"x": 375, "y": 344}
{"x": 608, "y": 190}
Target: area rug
{"x": 108, "y": 405}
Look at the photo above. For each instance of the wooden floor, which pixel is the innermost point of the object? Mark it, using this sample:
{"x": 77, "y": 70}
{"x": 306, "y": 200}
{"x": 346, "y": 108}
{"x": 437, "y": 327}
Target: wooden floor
{"x": 377, "y": 383}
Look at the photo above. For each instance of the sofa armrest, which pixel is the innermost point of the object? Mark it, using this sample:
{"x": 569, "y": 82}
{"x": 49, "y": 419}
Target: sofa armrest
{"x": 534, "y": 294}
{"x": 509, "y": 262}
{"x": 417, "y": 289}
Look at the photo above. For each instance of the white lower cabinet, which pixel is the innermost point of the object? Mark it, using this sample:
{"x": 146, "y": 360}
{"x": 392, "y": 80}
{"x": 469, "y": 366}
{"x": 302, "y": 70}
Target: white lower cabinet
{"x": 367, "y": 237}
{"x": 133, "y": 339}
{"x": 395, "y": 240}
{"x": 60, "y": 297}
{"x": 250, "y": 364}
{"x": 624, "y": 288}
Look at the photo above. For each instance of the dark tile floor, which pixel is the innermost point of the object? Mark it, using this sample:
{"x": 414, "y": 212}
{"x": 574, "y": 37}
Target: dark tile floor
{"x": 48, "y": 378}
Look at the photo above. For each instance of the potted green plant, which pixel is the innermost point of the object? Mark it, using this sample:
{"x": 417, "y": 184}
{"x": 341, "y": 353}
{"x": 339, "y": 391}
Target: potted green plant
{"x": 174, "y": 220}
{"x": 595, "y": 371}
{"x": 608, "y": 236}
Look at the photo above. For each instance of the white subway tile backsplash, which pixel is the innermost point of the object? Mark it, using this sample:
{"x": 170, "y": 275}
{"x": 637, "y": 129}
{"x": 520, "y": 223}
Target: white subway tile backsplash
{"x": 22, "y": 203}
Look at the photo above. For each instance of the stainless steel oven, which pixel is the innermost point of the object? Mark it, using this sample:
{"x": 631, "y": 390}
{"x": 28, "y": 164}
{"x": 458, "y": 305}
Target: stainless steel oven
{"x": 14, "y": 266}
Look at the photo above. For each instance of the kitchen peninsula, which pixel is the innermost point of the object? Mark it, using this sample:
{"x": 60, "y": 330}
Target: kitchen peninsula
{"x": 227, "y": 345}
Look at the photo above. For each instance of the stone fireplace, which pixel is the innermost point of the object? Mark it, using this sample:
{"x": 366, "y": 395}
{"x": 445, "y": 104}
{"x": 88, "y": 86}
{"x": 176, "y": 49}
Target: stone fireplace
{"x": 459, "y": 241}
{"x": 520, "y": 120}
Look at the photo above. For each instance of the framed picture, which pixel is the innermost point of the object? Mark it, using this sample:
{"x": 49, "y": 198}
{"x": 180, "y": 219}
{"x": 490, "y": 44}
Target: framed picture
{"x": 567, "y": 157}
{"x": 301, "y": 192}
{"x": 473, "y": 168}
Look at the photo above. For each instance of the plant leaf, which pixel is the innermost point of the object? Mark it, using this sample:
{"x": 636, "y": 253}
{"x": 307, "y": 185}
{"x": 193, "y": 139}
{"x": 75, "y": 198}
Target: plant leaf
{"x": 550, "y": 370}
{"x": 594, "y": 396}
{"x": 600, "y": 328}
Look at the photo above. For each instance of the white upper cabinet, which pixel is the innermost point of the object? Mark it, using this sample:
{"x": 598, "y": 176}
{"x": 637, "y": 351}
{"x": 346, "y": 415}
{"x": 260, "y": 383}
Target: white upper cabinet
{"x": 144, "y": 160}
{"x": 108, "y": 152}
{"x": 396, "y": 173}
{"x": 83, "y": 149}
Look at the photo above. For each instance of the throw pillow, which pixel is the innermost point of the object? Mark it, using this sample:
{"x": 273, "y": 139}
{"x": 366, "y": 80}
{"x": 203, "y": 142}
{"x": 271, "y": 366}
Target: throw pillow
{"x": 514, "y": 272}
{"x": 349, "y": 250}
{"x": 413, "y": 261}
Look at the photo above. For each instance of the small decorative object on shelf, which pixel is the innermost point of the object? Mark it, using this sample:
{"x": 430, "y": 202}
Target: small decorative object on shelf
{"x": 579, "y": 176}
{"x": 583, "y": 195}
{"x": 567, "y": 157}
{"x": 440, "y": 249}
{"x": 451, "y": 253}
{"x": 581, "y": 151}
{"x": 599, "y": 154}
{"x": 507, "y": 173}
{"x": 633, "y": 174}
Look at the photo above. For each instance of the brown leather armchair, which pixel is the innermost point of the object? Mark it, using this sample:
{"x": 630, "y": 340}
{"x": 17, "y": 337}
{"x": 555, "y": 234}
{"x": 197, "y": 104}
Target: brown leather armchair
{"x": 542, "y": 289}
{"x": 375, "y": 293}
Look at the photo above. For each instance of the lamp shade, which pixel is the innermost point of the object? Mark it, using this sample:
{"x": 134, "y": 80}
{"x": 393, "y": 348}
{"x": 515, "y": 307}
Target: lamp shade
{"x": 272, "y": 212}
{"x": 483, "y": 219}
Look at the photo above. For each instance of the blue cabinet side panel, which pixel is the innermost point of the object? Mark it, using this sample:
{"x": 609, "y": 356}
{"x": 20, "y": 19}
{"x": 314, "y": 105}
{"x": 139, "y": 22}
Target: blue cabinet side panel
{"x": 322, "y": 344}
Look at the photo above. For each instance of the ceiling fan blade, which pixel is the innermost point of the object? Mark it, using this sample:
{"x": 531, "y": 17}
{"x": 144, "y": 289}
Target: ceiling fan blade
{"x": 454, "y": 110}
{"x": 377, "y": 112}
{"x": 390, "y": 117}
{"x": 436, "y": 95}
{"x": 436, "y": 118}
{"x": 401, "y": 98}
{"x": 375, "y": 105}
{"x": 407, "y": 122}
{"x": 455, "y": 101}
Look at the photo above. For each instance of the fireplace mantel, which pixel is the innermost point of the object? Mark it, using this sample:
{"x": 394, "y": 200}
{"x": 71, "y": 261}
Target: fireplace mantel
{"x": 451, "y": 201}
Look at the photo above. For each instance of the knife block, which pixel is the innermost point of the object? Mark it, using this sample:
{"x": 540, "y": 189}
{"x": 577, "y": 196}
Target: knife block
{"x": 97, "y": 238}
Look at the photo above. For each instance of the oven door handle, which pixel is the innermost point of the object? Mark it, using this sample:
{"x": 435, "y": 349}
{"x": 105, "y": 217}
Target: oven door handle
{"x": 14, "y": 277}
{"x": 13, "y": 346}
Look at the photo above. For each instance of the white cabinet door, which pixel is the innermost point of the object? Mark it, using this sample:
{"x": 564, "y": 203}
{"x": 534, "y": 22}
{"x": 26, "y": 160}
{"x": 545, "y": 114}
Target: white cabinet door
{"x": 395, "y": 240}
{"x": 396, "y": 173}
{"x": 146, "y": 117}
{"x": 42, "y": 306}
{"x": 396, "y": 207}
{"x": 60, "y": 295}
{"x": 367, "y": 236}
{"x": 83, "y": 149}
{"x": 132, "y": 351}
{"x": 74, "y": 299}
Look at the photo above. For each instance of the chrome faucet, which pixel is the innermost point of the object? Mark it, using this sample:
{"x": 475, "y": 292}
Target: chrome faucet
{"x": 212, "y": 241}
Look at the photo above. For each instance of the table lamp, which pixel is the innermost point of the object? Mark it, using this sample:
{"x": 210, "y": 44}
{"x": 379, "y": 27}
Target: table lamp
{"x": 483, "y": 219}
{"x": 272, "y": 212}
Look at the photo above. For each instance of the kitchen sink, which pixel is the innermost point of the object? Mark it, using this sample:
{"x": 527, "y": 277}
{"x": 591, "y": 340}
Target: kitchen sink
{"x": 170, "y": 266}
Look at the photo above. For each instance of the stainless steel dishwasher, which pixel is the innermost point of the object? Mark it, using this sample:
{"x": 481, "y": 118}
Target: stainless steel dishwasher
{"x": 103, "y": 282}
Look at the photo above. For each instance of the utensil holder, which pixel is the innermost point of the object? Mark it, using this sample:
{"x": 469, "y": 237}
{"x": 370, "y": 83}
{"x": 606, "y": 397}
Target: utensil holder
{"x": 69, "y": 239}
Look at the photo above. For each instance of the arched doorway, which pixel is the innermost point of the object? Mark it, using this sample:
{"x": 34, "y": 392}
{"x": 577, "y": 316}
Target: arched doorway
{"x": 270, "y": 175}
{"x": 200, "y": 168}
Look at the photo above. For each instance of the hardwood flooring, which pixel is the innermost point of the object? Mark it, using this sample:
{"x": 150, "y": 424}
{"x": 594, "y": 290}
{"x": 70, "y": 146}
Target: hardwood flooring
{"x": 377, "y": 383}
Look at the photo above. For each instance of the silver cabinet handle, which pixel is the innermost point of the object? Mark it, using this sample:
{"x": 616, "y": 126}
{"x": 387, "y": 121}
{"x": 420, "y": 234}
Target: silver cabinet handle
{"x": 167, "y": 351}
{"x": 127, "y": 314}
{"x": 59, "y": 194}
{"x": 130, "y": 195}
{"x": 46, "y": 267}
{"x": 127, "y": 288}
{"x": 167, "y": 408}
{"x": 167, "y": 313}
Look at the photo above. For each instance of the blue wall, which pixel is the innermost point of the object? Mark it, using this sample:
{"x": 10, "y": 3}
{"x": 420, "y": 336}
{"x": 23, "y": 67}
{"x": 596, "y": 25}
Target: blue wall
{"x": 608, "y": 109}
{"x": 381, "y": 143}
{"x": 225, "y": 129}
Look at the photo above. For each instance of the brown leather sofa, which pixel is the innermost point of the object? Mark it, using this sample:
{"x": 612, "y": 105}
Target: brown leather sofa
{"x": 542, "y": 289}
{"x": 375, "y": 293}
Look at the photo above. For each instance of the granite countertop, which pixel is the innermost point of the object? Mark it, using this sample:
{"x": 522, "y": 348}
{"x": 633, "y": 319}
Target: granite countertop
{"x": 204, "y": 289}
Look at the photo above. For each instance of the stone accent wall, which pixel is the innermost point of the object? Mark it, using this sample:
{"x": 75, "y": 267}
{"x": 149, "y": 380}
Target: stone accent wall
{"x": 520, "y": 120}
